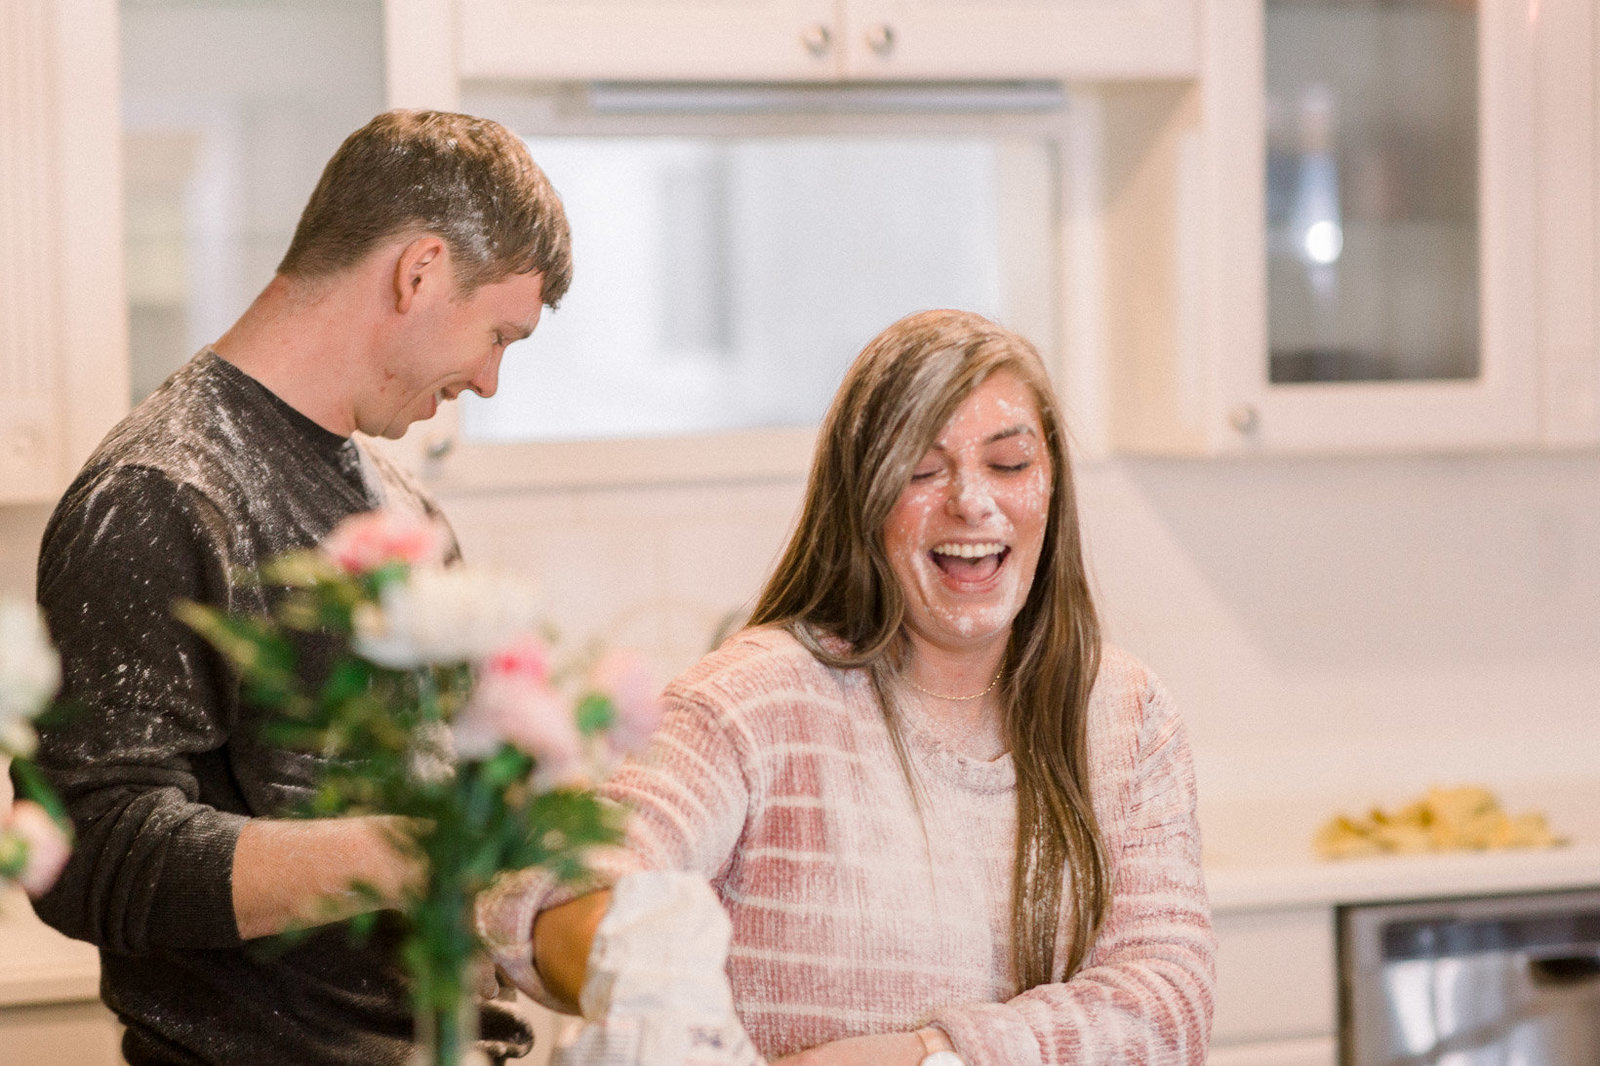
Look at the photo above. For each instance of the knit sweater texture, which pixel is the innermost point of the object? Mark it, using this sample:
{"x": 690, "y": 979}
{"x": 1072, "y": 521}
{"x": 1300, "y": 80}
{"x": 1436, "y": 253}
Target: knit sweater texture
{"x": 162, "y": 761}
{"x": 775, "y": 777}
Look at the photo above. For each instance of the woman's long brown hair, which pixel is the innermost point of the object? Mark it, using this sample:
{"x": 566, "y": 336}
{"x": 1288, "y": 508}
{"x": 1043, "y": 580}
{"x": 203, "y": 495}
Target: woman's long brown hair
{"x": 834, "y": 581}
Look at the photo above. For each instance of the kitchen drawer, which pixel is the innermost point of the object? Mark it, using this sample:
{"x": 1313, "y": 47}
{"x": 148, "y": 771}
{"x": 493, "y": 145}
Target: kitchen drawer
{"x": 1312, "y": 1051}
{"x": 1276, "y": 977}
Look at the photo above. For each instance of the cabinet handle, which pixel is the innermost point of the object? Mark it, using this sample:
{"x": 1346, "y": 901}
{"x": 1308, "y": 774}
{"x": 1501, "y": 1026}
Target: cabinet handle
{"x": 1245, "y": 418}
{"x": 881, "y": 39}
{"x": 817, "y": 40}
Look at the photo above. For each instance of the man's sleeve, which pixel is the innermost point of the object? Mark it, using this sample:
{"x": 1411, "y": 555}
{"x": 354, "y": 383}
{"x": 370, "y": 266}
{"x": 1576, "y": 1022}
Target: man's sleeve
{"x": 151, "y": 867}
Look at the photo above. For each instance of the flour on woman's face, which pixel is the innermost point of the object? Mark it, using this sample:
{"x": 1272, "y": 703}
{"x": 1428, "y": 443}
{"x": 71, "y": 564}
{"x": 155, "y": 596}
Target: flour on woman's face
{"x": 965, "y": 535}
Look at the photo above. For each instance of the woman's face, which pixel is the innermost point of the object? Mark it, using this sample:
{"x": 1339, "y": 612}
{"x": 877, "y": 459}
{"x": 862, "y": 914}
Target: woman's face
{"x": 964, "y": 536}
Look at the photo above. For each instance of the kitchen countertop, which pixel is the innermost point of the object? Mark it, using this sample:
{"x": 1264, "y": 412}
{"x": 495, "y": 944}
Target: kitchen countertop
{"x": 38, "y": 964}
{"x": 1258, "y": 855}
{"x": 1309, "y": 881}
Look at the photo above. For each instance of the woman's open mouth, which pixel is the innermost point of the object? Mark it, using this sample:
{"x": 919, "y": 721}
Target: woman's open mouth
{"x": 969, "y": 563}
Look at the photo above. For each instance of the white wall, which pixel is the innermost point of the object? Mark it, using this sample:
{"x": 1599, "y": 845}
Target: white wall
{"x": 1355, "y": 628}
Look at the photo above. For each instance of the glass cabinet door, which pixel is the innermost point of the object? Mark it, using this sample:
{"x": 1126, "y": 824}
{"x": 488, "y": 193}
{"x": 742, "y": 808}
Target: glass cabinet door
{"x": 1372, "y": 219}
{"x": 1372, "y": 190}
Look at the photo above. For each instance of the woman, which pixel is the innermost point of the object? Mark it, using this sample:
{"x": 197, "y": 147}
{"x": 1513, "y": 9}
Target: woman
{"x": 939, "y": 815}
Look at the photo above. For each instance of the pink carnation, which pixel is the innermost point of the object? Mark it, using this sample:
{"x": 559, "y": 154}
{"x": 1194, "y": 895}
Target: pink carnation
{"x": 526, "y": 656}
{"x": 46, "y": 846}
{"x": 365, "y": 542}
{"x": 515, "y": 703}
{"x": 626, "y": 678}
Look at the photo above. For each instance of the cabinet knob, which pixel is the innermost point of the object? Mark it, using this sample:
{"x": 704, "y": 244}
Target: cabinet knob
{"x": 881, "y": 39}
{"x": 1245, "y": 418}
{"x": 817, "y": 39}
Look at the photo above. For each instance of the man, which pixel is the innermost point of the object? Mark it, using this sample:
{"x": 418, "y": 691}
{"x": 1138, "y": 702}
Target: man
{"x": 431, "y": 242}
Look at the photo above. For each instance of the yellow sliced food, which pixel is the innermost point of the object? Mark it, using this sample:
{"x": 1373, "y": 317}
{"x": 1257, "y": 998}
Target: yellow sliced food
{"x": 1461, "y": 818}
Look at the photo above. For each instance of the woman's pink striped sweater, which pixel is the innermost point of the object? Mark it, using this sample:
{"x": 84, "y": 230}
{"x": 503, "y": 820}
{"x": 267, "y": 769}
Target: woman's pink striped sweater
{"x": 774, "y": 776}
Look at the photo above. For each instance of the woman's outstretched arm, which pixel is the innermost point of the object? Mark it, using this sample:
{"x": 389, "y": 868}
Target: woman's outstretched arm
{"x": 562, "y": 937}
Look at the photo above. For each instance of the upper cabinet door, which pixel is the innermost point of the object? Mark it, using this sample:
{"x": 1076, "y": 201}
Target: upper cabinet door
{"x": 808, "y": 40}
{"x": 1066, "y": 39}
{"x": 620, "y": 40}
{"x": 1382, "y": 234}
{"x": 1396, "y": 212}
{"x": 62, "y": 354}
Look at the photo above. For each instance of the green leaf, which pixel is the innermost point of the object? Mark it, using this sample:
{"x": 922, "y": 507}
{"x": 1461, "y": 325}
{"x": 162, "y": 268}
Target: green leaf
{"x": 264, "y": 657}
{"x": 35, "y": 787}
{"x": 305, "y": 569}
{"x": 504, "y": 767}
{"x": 350, "y": 677}
{"x": 386, "y": 575}
{"x": 13, "y": 855}
{"x": 595, "y": 713}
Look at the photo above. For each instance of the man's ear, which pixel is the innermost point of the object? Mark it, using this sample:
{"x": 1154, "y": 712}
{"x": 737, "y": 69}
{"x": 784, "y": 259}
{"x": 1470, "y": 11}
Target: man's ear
{"x": 421, "y": 263}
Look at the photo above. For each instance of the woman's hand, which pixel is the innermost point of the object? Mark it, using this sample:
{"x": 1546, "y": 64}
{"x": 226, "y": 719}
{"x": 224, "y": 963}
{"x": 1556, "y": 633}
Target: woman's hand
{"x": 886, "y": 1049}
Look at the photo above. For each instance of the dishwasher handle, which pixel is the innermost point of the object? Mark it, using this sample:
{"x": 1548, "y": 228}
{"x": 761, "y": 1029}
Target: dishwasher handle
{"x": 1569, "y": 969}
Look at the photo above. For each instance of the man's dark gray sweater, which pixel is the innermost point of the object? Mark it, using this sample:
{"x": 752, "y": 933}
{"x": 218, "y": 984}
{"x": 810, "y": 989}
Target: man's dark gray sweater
{"x": 163, "y": 762}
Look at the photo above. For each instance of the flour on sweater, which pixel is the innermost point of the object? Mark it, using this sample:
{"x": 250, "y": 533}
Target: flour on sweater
{"x": 166, "y": 760}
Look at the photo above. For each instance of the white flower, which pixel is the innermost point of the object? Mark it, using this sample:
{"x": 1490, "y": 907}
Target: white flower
{"x": 30, "y": 672}
{"x": 443, "y": 616}
{"x": 18, "y": 738}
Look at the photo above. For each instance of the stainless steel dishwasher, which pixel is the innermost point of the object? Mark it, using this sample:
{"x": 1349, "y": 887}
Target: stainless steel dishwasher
{"x": 1489, "y": 981}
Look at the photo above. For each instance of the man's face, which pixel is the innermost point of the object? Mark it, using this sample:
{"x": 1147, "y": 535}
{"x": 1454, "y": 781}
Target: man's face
{"x": 454, "y": 344}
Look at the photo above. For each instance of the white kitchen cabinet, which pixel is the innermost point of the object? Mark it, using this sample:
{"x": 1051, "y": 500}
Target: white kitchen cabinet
{"x": 50, "y": 1009}
{"x": 62, "y": 339}
{"x": 825, "y": 40}
{"x": 83, "y": 1033}
{"x": 1069, "y": 39}
{"x": 1268, "y": 287}
{"x": 1277, "y": 1000}
{"x": 1276, "y": 986}
{"x": 1317, "y": 1051}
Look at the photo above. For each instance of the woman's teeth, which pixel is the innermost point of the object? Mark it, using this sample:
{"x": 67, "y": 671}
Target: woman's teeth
{"x": 969, "y": 562}
{"x": 969, "y": 551}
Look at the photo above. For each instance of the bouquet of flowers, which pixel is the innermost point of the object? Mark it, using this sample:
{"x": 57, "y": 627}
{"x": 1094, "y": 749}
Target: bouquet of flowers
{"x": 35, "y": 835}
{"x": 433, "y": 695}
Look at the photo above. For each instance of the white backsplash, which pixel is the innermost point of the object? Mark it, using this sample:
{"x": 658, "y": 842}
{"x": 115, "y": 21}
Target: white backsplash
{"x": 1355, "y": 628}
{"x": 1352, "y": 628}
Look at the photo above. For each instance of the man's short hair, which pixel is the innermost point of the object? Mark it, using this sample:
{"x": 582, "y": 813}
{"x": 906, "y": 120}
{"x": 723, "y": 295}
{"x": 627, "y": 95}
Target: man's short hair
{"x": 467, "y": 180}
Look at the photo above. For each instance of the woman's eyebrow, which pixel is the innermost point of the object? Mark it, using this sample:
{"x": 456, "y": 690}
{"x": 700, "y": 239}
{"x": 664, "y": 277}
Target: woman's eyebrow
{"x": 1019, "y": 430}
{"x": 1012, "y": 431}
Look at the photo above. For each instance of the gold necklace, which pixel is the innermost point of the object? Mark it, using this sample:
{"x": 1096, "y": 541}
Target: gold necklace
{"x": 958, "y": 699}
